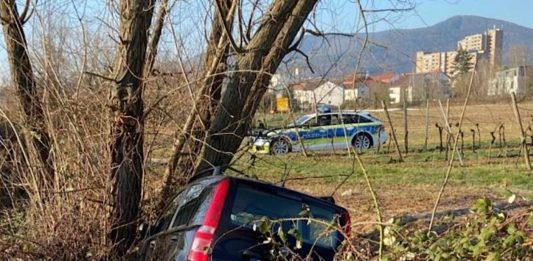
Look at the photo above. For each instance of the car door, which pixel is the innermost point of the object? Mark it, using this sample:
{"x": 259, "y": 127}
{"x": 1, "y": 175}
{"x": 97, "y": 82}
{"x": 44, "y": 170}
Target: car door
{"x": 347, "y": 130}
{"x": 316, "y": 135}
{"x": 306, "y": 131}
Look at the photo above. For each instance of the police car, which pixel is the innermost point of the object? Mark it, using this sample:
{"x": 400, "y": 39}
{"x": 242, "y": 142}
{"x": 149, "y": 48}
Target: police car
{"x": 323, "y": 131}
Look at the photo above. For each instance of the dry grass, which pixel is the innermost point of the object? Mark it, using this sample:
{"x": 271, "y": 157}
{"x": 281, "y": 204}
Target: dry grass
{"x": 69, "y": 220}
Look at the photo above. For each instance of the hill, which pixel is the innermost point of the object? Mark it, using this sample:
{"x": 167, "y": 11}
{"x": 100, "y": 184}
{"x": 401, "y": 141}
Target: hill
{"x": 395, "y": 49}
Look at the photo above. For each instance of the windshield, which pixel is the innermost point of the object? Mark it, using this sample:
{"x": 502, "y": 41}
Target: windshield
{"x": 300, "y": 121}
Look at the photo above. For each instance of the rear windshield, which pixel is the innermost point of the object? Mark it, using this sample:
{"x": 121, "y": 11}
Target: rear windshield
{"x": 192, "y": 205}
{"x": 251, "y": 205}
{"x": 187, "y": 208}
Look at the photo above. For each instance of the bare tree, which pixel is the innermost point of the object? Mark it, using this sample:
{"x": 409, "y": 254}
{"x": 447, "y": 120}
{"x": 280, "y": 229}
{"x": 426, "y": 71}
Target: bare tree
{"x": 247, "y": 84}
{"x": 198, "y": 121}
{"x": 24, "y": 80}
{"x": 126, "y": 101}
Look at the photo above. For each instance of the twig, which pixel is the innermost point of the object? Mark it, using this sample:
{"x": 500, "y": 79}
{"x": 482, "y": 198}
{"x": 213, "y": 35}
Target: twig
{"x": 450, "y": 166}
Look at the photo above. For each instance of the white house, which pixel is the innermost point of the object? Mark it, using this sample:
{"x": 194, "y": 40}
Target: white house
{"x": 396, "y": 95}
{"x": 511, "y": 80}
{"x": 330, "y": 93}
{"x": 418, "y": 87}
{"x": 361, "y": 90}
{"x": 309, "y": 92}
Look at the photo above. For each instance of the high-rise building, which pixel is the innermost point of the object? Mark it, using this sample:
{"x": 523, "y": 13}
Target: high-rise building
{"x": 435, "y": 62}
{"x": 495, "y": 47}
{"x": 487, "y": 45}
{"x": 428, "y": 62}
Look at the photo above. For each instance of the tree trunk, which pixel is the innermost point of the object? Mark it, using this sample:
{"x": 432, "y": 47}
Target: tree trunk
{"x": 214, "y": 67}
{"x": 126, "y": 100}
{"x": 199, "y": 120}
{"x": 23, "y": 78}
{"x": 249, "y": 82}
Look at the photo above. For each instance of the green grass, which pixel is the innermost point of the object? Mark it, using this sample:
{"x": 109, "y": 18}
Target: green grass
{"x": 422, "y": 168}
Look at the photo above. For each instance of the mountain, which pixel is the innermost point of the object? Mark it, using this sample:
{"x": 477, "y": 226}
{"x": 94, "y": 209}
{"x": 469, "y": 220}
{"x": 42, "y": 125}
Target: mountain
{"x": 396, "y": 49}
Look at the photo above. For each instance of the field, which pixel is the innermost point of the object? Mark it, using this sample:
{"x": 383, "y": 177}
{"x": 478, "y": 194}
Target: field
{"x": 494, "y": 171}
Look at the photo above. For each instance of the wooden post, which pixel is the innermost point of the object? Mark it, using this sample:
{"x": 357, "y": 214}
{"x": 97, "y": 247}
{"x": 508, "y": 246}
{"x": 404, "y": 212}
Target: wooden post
{"x": 448, "y": 109}
{"x": 441, "y": 147}
{"x": 462, "y": 135}
{"x": 379, "y": 142}
{"x": 448, "y": 126}
{"x": 478, "y": 135}
{"x": 427, "y": 123}
{"x": 522, "y": 135}
{"x": 393, "y": 133}
{"x": 447, "y": 142}
{"x": 405, "y": 126}
{"x": 491, "y": 144}
{"x": 473, "y": 140}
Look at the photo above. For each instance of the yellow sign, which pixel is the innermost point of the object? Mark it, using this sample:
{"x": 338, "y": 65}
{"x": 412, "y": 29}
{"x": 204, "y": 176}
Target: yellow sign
{"x": 282, "y": 104}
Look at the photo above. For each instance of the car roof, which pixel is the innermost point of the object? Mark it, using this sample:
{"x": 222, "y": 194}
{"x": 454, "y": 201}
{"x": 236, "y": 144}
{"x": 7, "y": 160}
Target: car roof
{"x": 338, "y": 112}
{"x": 269, "y": 186}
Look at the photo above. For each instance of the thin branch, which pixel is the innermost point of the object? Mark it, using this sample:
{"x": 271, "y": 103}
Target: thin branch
{"x": 450, "y": 166}
{"x": 318, "y": 33}
{"x": 223, "y": 16}
{"x": 306, "y": 58}
{"x": 107, "y": 78}
{"x": 22, "y": 16}
{"x": 250, "y": 21}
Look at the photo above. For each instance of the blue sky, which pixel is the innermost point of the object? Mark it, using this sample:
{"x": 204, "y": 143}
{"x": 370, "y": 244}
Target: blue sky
{"x": 336, "y": 15}
{"x": 434, "y": 11}
{"x": 343, "y": 14}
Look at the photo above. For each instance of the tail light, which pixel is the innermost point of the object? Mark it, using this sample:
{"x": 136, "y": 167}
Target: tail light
{"x": 346, "y": 223}
{"x": 204, "y": 236}
{"x": 381, "y": 128}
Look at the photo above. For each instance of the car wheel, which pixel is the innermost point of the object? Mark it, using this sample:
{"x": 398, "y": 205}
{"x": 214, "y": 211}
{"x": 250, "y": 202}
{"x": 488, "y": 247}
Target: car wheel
{"x": 362, "y": 142}
{"x": 280, "y": 146}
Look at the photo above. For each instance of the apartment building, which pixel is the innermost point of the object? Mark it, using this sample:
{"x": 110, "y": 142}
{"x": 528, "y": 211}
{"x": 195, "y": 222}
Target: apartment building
{"x": 487, "y": 45}
{"x": 435, "y": 62}
{"x": 495, "y": 47}
{"x": 476, "y": 42}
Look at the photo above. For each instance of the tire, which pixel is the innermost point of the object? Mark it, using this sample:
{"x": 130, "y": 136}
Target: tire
{"x": 280, "y": 147}
{"x": 362, "y": 142}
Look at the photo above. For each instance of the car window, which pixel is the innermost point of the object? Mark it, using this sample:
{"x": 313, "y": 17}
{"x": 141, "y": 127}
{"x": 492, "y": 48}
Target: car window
{"x": 363, "y": 119}
{"x": 371, "y": 117}
{"x": 355, "y": 118}
{"x": 164, "y": 220}
{"x": 335, "y": 120}
{"x": 192, "y": 204}
{"x": 324, "y": 120}
{"x": 251, "y": 205}
{"x": 300, "y": 121}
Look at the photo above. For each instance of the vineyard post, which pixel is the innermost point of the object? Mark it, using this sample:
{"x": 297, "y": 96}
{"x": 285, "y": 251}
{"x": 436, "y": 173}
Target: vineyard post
{"x": 427, "y": 123}
{"x": 522, "y": 135}
{"x": 393, "y": 133}
{"x": 441, "y": 146}
{"x": 478, "y": 135}
{"x": 405, "y": 122}
{"x": 473, "y": 140}
{"x": 491, "y": 144}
